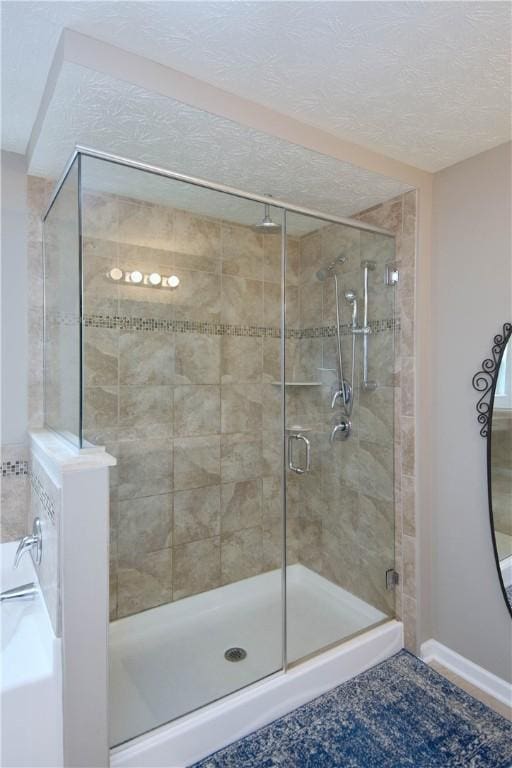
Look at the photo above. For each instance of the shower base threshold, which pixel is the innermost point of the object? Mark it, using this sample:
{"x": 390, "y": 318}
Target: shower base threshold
{"x": 170, "y": 660}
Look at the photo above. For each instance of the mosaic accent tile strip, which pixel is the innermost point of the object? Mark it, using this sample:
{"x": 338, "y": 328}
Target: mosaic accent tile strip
{"x": 377, "y": 326}
{"x": 14, "y": 468}
{"x": 124, "y": 323}
{"x": 177, "y": 326}
{"x": 47, "y": 502}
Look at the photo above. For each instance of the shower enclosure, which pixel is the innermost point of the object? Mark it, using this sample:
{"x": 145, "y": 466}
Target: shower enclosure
{"x": 236, "y": 355}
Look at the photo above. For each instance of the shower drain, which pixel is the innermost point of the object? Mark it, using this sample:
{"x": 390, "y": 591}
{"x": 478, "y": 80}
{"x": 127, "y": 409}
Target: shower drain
{"x": 235, "y": 654}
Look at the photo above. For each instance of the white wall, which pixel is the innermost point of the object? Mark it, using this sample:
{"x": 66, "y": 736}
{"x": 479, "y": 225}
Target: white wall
{"x": 471, "y": 299}
{"x": 14, "y": 299}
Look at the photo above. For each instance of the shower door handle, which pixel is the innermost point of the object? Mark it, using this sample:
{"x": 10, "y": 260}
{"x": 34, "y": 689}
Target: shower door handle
{"x": 291, "y": 465}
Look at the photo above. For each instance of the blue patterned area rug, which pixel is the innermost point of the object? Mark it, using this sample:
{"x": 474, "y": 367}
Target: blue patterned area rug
{"x": 400, "y": 713}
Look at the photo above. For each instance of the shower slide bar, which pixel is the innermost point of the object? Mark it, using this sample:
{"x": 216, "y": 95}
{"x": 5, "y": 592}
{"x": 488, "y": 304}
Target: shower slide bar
{"x": 368, "y": 386}
{"x": 198, "y": 182}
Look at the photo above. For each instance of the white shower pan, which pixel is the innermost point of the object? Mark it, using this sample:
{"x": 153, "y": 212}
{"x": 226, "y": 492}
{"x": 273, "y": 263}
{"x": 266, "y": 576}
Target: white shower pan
{"x": 170, "y": 660}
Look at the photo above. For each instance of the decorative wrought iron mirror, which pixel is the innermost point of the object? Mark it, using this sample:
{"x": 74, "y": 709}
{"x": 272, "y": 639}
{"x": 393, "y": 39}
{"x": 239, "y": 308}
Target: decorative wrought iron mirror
{"x": 494, "y": 408}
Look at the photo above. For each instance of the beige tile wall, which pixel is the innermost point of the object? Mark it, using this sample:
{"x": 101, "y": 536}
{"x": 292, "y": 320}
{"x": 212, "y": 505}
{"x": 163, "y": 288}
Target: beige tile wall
{"x": 14, "y": 492}
{"x": 400, "y": 216}
{"x": 38, "y": 191}
{"x": 62, "y": 281}
{"x": 16, "y": 517}
{"x": 192, "y": 416}
{"x": 346, "y": 502}
{"x": 15, "y": 487}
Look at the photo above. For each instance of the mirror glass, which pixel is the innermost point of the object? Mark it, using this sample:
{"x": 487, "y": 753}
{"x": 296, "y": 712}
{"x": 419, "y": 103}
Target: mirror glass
{"x": 500, "y": 469}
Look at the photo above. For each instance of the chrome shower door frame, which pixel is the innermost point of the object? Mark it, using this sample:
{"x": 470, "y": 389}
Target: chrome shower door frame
{"x": 286, "y": 208}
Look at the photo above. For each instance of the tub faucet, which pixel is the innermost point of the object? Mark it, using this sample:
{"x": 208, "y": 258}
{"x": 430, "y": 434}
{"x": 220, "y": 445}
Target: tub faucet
{"x": 32, "y": 543}
{"x": 23, "y": 592}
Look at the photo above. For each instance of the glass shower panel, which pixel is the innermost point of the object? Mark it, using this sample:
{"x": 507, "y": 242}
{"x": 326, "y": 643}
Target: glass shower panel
{"x": 182, "y": 303}
{"x": 62, "y": 365}
{"x": 339, "y": 437}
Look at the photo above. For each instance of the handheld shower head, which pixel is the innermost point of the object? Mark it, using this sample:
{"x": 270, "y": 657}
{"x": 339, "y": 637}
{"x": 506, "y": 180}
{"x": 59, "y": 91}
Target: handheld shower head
{"x": 351, "y": 297}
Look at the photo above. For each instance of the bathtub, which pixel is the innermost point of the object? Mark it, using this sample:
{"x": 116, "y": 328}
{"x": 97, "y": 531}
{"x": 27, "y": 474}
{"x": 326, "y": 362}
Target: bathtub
{"x": 30, "y": 668}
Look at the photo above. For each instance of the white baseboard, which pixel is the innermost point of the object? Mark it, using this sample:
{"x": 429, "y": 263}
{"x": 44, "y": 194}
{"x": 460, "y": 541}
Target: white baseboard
{"x": 472, "y": 673}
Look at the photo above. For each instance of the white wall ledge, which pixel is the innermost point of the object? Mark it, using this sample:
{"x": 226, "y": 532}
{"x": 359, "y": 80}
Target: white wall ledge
{"x": 49, "y": 446}
{"x": 81, "y": 480}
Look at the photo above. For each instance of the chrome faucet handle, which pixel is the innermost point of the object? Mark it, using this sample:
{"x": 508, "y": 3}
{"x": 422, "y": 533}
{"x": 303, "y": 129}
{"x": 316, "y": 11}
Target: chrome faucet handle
{"x": 338, "y": 393}
{"x": 345, "y": 394}
{"x": 341, "y": 431}
{"x": 32, "y": 543}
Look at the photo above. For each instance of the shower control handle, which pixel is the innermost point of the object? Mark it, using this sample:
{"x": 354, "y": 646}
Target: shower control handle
{"x": 341, "y": 431}
{"x": 291, "y": 465}
{"x": 344, "y": 395}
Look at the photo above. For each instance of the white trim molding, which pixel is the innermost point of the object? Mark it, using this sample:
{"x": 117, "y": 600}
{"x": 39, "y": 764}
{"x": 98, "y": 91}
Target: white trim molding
{"x": 432, "y": 650}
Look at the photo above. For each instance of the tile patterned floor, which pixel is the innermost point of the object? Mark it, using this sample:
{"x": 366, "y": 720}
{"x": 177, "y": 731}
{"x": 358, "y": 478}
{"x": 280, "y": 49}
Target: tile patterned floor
{"x": 400, "y": 713}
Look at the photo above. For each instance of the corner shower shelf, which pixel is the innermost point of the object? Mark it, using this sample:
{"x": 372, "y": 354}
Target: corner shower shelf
{"x": 298, "y": 383}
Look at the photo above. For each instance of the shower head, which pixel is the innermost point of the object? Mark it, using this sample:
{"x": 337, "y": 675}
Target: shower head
{"x": 267, "y": 226}
{"x": 326, "y": 272}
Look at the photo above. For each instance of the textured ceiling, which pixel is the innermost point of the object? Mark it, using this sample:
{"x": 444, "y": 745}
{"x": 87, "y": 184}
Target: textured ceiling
{"x": 426, "y": 83}
{"x": 94, "y": 109}
{"x": 98, "y": 176}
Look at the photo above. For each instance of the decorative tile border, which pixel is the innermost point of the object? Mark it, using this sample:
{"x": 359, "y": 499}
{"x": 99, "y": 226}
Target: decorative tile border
{"x": 377, "y": 326}
{"x": 14, "y": 468}
{"x": 177, "y": 326}
{"x": 47, "y": 502}
{"x": 123, "y": 323}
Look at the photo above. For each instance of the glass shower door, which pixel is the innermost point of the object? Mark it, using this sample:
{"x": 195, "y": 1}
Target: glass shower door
{"x": 182, "y": 304}
{"x": 62, "y": 331}
{"x": 339, "y": 436}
